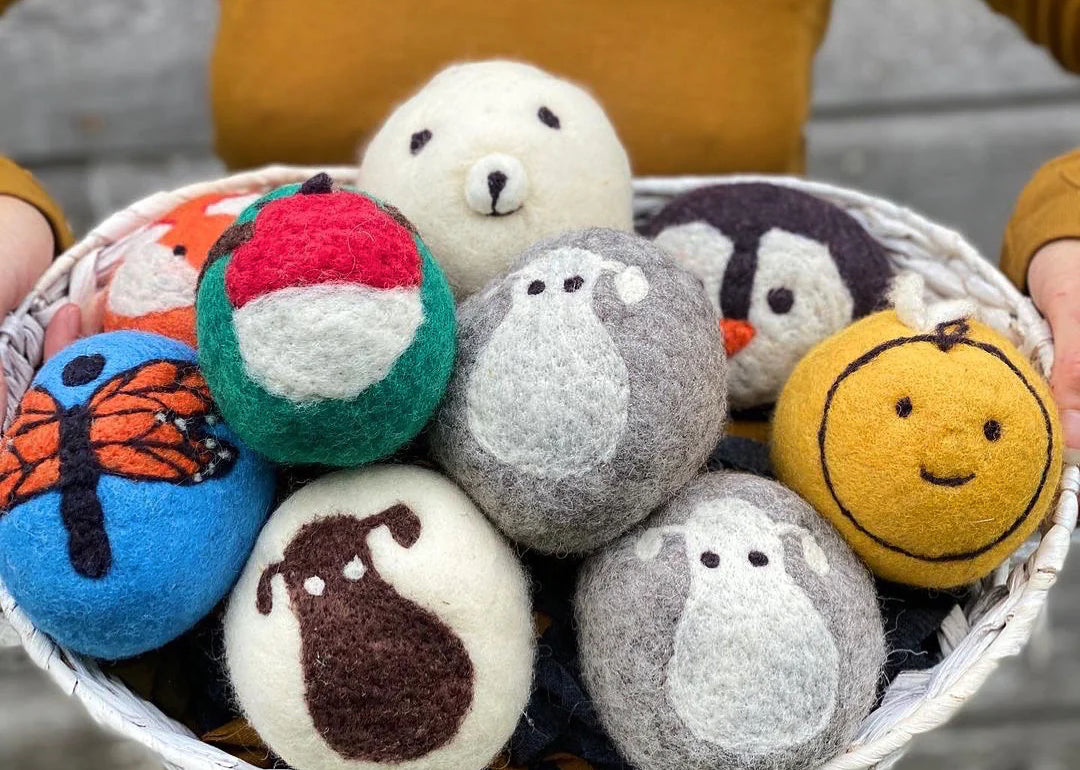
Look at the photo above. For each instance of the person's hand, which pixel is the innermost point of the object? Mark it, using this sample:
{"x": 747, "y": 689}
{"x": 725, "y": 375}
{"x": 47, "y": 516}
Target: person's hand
{"x": 65, "y": 327}
{"x": 26, "y": 249}
{"x": 1054, "y": 283}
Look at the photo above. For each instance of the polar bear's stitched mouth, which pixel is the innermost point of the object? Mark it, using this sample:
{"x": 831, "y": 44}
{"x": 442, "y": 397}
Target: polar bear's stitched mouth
{"x": 494, "y": 213}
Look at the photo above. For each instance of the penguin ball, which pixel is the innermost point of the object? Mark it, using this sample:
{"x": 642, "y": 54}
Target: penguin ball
{"x": 783, "y": 268}
{"x": 127, "y": 508}
{"x": 381, "y": 622}
{"x": 589, "y": 387}
{"x": 734, "y": 629}
{"x": 326, "y": 330}
{"x": 935, "y": 452}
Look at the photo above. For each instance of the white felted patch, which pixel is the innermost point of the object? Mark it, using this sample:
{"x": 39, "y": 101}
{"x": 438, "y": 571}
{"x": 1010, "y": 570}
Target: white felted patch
{"x": 918, "y": 312}
{"x": 459, "y": 569}
{"x": 702, "y": 250}
{"x": 231, "y": 207}
{"x": 551, "y": 334}
{"x": 572, "y": 175}
{"x": 314, "y": 585}
{"x": 631, "y": 285}
{"x": 151, "y": 278}
{"x": 746, "y": 601}
{"x": 361, "y": 331}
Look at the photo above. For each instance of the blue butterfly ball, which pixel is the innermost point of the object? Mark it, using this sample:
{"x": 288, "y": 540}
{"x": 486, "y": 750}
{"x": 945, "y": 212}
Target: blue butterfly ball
{"x": 127, "y": 508}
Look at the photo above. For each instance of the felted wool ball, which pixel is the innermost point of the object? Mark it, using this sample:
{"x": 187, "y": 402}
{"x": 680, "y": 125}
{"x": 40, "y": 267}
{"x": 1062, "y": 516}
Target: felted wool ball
{"x": 489, "y": 157}
{"x": 381, "y": 622}
{"x": 127, "y": 508}
{"x": 783, "y": 268}
{"x": 326, "y": 330}
{"x": 153, "y": 289}
{"x": 734, "y": 629}
{"x": 589, "y": 387}
{"x": 927, "y": 439}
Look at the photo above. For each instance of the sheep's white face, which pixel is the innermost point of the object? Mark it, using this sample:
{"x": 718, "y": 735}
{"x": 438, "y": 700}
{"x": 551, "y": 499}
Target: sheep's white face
{"x": 493, "y": 156}
{"x": 562, "y": 281}
{"x": 732, "y": 543}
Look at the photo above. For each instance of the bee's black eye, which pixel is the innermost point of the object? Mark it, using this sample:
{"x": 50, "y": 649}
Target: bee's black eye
{"x": 418, "y": 140}
{"x": 992, "y": 430}
{"x": 903, "y": 407}
{"x": 780, "y": 300}
{"x": 548, "y": 118}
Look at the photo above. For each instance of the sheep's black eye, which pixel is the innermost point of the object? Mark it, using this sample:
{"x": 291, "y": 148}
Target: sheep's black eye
{"x": 992, "y": 430}
{"x": 571, "y": 285}
{"x": 180, "y": 250}
{"x": 903, "y": 407}
{"x": 418, "y": 140}
{"x": 536, "y": 287}
{"x": 710, "y": 560}
{"x": 757, "y": 558}
{"x": 780, "y": 300}
{"x": 548, "y": 118}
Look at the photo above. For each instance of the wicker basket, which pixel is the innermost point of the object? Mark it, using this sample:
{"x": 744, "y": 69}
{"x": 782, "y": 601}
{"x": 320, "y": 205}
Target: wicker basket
{"x": 997, "y": 624}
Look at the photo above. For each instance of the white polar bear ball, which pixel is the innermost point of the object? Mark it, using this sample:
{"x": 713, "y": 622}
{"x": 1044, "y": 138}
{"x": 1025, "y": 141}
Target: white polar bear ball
{"x": 489, "y": 157}
{"x": 381, "y": 622}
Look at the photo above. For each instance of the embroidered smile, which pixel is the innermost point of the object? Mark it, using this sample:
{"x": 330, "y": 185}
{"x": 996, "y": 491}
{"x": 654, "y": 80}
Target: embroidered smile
{"x": 945, "y": 481}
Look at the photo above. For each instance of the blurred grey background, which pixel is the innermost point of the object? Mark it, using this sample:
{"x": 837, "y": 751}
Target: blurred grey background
{"x": 938, "y": 104}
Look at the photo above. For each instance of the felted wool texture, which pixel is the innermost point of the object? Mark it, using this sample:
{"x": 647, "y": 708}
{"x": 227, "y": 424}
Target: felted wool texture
{"x": 381, "y": 621}
{"x": 153, "y": 289}
{"x": 127, "y": 508}
{"x": 589, "y": 387}
{"x": 489, "y": 157}
{"x": 733, "y": 629}
{"x": 326, "y": 329}
{"x": 935, "y": 454}
{"x": 784, "y": 269}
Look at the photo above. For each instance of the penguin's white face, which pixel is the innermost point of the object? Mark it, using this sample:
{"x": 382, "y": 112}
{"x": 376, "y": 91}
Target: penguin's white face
{"x": 783, "y": 299}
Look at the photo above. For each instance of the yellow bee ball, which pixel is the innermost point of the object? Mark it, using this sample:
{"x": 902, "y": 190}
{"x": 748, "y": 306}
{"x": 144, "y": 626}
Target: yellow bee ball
{"x": 935, "y": 453}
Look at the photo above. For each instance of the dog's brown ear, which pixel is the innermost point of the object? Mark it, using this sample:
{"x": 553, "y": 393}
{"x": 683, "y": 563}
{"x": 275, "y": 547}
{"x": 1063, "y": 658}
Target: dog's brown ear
{"x": 403, "y": 524}
{"x": 264, "y": 595}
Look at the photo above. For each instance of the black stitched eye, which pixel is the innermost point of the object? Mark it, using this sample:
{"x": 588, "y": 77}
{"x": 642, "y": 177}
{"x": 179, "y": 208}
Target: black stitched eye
{"x": 903, "y": 407}
{"x": 780, "y": 300}
{"x": 180, "y": 250}
{"x": 418, "y": 140}
{"x": 536, "y": 287}
{"x": 710, "y": 560}
{"x": 570, "y": 285}
{"x": 757, "y": 558}
{"x": 992, "y": 430}
{"x": 548, "y": 118}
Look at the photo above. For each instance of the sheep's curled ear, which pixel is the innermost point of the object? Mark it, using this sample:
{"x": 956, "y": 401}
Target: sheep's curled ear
{"x": 631, "y": 285}
{"x": 651, "y": 541}
{"x": 264, "y": 593}
{"x": 403, "y": 523}
{"x": 814, "y": 556}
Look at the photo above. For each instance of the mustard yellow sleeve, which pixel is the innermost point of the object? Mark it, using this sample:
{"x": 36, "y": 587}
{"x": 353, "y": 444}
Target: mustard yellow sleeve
{"x": 19, "y": 183}
{"x": 1053, "y": 24}
{"x": 1048, "y": 209}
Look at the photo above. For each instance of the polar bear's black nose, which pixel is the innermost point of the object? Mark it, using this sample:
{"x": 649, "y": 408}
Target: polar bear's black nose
{"x": 496, "y": 183}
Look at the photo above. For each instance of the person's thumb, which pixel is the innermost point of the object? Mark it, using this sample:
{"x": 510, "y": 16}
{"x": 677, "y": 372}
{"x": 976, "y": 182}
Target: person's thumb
{"x": 1064, "y": 318}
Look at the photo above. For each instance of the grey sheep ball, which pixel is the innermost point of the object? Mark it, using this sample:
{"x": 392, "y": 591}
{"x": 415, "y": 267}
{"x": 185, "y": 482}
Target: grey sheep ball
{"x": 589, "y": 387}
{"x": 733, "y": 629}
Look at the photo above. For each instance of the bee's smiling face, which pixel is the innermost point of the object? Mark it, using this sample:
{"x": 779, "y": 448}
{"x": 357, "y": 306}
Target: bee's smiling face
{"x": 963, "y": 434}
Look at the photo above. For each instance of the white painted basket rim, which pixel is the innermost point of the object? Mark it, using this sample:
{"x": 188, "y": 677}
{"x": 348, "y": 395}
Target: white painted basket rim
{"x": 915, "y": 702}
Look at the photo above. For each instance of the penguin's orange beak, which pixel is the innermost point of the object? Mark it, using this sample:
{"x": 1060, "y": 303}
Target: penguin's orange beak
{"x": 737, "y": 334}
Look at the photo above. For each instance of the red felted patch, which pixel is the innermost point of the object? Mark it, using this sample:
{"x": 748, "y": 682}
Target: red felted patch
{"x": 304, "y": 240}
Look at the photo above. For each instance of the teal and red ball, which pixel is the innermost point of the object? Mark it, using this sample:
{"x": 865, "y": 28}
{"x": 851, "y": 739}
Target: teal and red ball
{"x": 326, "y": 329}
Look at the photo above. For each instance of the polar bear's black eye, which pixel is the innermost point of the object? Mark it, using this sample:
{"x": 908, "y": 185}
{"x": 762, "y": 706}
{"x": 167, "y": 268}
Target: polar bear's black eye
{"x": 780, "y": 300}
{"x": 418, "y": 140}
{"x": 548, "y": 118}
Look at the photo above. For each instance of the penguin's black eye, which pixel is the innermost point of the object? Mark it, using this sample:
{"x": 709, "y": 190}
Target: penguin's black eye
{"x": 710, "y": 560}
{"x": 180, "y": 250}
{"x": 82, "y": 370}
{"x": 903, "y": 407}
{"x": 570, "y": 285}
{"x": 418, "y": 140}
{"x": 780, "y": 300}
{"x": 992, "y": 430}
{"x": 536, "y": 287}
{"x": 757, "y": 558}
{"x": 548, "y": 118}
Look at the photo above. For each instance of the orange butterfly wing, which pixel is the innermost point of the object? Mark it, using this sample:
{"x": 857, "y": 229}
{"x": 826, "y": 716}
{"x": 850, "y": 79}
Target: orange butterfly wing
{"x": 30, "y": 450}
{"x": 149, "y": 423}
